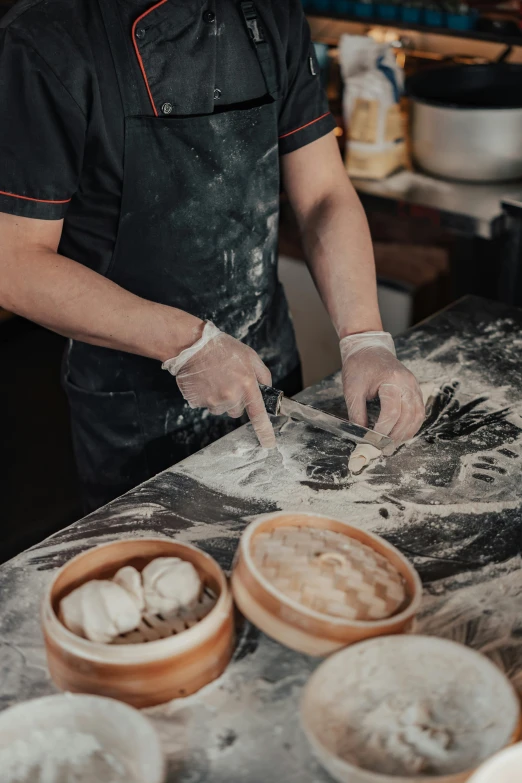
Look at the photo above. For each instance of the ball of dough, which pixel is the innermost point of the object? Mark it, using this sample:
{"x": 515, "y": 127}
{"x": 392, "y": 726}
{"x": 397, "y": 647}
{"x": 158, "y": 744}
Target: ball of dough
{"x": 361, "y": 456}
{"x": 129, "y": 578}
{"x": 170, "y": 584}
{"x": 99, "y": 611}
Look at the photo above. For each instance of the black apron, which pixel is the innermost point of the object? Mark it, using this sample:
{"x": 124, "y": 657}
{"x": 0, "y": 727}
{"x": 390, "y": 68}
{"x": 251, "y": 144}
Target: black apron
{"x": 198, "y": 231}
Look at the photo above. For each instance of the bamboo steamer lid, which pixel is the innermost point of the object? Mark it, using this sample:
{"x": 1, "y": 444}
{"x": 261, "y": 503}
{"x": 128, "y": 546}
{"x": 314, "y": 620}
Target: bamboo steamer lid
{"x": 317, "y": 584}
{"x": 163, "y": 659}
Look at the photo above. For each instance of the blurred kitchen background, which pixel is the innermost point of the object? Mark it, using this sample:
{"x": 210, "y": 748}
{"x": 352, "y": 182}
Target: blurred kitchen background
{"x": 442, "y": 189}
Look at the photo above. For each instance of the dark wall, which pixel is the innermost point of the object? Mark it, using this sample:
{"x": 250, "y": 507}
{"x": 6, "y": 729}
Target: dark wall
{"x": 38, "y": 485}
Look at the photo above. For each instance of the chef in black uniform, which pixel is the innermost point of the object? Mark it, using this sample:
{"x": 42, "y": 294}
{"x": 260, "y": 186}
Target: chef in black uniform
{"x": 141, "y": 151}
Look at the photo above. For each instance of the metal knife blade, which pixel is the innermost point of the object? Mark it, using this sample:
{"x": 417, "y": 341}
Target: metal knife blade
{"x": 279, "y": 405}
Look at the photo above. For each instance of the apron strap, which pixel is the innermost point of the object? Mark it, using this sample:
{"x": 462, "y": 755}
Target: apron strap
{"x": 262, "y": 47}
{"x": 134, "y": 97}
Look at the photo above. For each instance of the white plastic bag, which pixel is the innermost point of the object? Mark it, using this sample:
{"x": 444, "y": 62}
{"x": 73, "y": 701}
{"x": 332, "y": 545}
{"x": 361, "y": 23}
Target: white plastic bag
{"x": 373, "y": 84}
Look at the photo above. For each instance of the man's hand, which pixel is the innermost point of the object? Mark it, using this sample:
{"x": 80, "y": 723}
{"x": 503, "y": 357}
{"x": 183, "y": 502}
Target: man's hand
{"x": 222, "y": 374}
{"x": 371, "y": 369}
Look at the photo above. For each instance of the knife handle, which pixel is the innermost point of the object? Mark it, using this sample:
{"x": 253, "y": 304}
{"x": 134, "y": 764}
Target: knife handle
{"x": 272, "y": 399}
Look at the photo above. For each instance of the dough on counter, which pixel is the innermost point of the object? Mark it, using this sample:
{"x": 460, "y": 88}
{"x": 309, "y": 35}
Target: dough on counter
{"x": 100, "y": 611}
{"x": 361, "y": 456}
{"x": 170, "y": 584}
{"x": 129, "y": 578}
{"x": 364, "y": 453}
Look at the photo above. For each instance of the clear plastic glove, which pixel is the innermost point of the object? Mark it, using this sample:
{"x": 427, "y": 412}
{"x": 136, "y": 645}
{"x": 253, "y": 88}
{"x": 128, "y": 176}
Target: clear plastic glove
{"x": 371, "y": 369}
{"x": 222, "y": 374}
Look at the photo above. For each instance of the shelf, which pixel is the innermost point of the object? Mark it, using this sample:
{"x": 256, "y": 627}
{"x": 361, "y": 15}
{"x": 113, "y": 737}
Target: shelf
{"x": 469, "y": 209}
{"x": 477, "y": 35}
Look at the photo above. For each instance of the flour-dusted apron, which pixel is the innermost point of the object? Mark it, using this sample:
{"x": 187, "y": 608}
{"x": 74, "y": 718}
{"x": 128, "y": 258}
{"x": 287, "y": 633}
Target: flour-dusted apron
{"x": 198, "y": 231}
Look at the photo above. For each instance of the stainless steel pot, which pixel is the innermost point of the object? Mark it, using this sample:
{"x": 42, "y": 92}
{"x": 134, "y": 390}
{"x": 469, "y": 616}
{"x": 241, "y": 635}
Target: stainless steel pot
{"x": 467, "y": 122}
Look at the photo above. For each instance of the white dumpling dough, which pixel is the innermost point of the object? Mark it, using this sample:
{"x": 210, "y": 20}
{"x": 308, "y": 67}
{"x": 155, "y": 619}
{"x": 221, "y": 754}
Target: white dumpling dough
{"x": 361, "y": 456}
{"x": 170, "y": 584}
{"x": 364, "y": 453}
{"x": 100, "y": 611}
{"x": 129, "y": 578}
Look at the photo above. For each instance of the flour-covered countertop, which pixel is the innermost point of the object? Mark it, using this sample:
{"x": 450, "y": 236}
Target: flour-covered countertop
{"x": 451, "y": 500}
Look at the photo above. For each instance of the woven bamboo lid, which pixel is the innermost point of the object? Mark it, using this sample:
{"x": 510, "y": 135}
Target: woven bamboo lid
{"x": 317, "y": 584}
{"x": 329, "y": 572}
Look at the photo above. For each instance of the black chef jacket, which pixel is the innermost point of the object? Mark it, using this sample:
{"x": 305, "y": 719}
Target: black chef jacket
{"x": 61, "y": 117}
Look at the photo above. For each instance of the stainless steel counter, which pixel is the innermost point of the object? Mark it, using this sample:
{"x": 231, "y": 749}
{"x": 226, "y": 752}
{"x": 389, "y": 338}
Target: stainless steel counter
{"x": 469, "y": 209}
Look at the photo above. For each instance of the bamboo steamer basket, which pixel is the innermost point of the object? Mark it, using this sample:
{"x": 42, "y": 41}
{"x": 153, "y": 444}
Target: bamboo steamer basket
{"x": 297, "y": 626}
{"x": 151, "y": 672}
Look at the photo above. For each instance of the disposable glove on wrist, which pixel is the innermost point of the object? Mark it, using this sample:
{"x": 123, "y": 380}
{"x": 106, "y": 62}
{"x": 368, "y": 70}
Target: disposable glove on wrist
{"x": 222, "y": 374}
{"x": 371, "y": 369}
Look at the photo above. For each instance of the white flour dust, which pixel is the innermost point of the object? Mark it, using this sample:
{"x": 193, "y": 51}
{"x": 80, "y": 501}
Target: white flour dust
{"x": 59, "y": 756}
{"x": 481, "y": 610}
{"x": 411, "y": 741}
{"x": 236, "y": 465}
{"x": 227, "y": 731}
{"x": 465, "y": 467}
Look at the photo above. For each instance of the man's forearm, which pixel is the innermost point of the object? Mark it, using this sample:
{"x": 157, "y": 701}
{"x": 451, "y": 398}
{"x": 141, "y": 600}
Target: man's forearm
{"x": 339, "y": 251}
{"x": 340, "y": 256}
{"x": 335, "y": 235}
{"x": 75, "y": 301}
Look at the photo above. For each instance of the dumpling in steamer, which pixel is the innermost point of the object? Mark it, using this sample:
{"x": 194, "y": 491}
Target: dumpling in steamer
{"x": 170, "y": 584}
{"x": 100, "y": 611}
{"x": 129, "y": 578}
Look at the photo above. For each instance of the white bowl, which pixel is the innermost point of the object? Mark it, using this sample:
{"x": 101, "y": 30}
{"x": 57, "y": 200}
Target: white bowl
{"x": 387, "y": 680}
{"x": 505, "y": 767}
{"x": 119, "y": 729}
